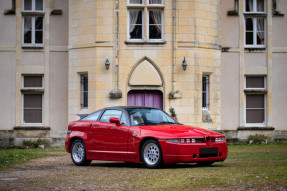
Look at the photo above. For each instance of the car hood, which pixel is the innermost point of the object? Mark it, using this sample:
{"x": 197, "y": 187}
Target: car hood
{"x": 176, "y": 131}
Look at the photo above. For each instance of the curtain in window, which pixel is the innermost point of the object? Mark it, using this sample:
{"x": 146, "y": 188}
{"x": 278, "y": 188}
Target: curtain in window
{"x": 155, "y": 2}
{"x": 156, "y": 17}
{"x": 133, "y": 19}
{"x": 135, "y": 1}
{"x": 250, "y": 3}
{"x": 27, "y": 29}
{"x": 260, "y": 5}
{"x": 260, "y": 30}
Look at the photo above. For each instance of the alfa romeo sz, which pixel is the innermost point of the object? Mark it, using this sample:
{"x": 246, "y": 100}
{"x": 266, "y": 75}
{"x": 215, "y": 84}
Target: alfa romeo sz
{"x": 141, "y": 134}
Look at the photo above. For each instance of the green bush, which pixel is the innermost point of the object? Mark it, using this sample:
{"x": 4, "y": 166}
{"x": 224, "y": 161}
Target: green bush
{"x": 257, "y": 138}
{"x": 34, "y": 144}
{"x": 172, "y": 112}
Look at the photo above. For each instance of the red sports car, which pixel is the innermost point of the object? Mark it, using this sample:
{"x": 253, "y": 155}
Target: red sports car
{"x": 141, "y": 134}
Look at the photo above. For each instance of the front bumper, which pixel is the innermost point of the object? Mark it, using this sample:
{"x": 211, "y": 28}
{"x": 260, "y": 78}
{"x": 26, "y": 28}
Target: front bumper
{"x": 191, "y": 152}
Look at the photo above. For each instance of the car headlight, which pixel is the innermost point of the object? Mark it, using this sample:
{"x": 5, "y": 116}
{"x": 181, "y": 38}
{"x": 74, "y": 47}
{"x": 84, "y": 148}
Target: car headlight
{"x": 69, "y": 131}
{"x": 181, "y": 140}
{"x": 219, "y": 139}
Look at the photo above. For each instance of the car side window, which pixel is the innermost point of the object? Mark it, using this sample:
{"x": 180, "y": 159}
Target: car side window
{"x": 124, "y": 119}
{"x": 110, "y": 113}
{"x": 92, "y": 117}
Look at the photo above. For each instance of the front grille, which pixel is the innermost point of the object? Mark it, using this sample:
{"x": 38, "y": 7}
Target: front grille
{"x": 207, "y": 155}
{"x": 201, "y": 140}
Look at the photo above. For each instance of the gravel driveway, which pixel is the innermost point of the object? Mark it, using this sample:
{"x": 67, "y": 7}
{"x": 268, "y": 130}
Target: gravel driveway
{"x": 59, "y": 173}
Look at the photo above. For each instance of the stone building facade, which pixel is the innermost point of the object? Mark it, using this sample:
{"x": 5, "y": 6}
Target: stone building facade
{"x": 61, "y": 59}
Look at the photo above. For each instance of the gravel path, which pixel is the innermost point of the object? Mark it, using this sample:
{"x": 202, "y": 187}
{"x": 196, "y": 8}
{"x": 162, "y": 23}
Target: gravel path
{"x": 59, "y": 173}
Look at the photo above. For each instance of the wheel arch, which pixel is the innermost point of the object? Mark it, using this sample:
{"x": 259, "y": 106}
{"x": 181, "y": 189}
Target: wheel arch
{"x": 143, "y": 141}
{"x": 75, "y": 138}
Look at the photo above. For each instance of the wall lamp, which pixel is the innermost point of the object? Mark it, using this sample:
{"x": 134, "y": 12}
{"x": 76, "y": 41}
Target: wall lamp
{"x": 107, "y": 64}
{"x": 184, "y": 64}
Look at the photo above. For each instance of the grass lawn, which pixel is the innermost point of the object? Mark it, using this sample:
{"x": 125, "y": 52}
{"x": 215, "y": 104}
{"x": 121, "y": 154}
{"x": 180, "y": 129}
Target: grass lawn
{"x": 10, "y": 157}
{"x": 247, "y": 167}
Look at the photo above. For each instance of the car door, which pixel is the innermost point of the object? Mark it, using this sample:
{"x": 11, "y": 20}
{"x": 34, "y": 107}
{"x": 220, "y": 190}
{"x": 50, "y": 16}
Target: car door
{"x": 109, "y": 140}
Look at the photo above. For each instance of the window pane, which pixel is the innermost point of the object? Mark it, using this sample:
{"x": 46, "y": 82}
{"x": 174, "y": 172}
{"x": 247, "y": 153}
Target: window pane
{"x": 110, "y": 113}
{"x": 260, "y": 6}
{"x": 155, "y": 24}
{"x": 249, "y": 5}
{"x": 255, "y": 116}
{"x": 85, "y": 101}
{"x": 155, "y": 1}
{"x": 260, "y": 29}
{"x": 39, "y": 23}
{"x": 39, "y": 37}
{"x": 32, "y": 115}
{"x": 249, "y": 24}
{"x": 92, "y": 117}
{"x": 255, "y": 101}
{"x": 255, "y": 82}
{"x": 135, "y": 24}
{"x": 27, "y": 5}
{"x": 33, "y": 101}
{"x": 135, "y": 1}
{"x": 27, "y": 29}
{"x": 39, "y": 5}
{"x": 32, "y": 81}
{"x": 204, "y": 99}
{"x": 204, "y": 83}
{"x": 84, "y": 81}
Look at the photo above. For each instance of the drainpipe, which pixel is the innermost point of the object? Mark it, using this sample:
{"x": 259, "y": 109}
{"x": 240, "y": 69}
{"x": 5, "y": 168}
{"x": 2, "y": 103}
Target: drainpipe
{"x": 116, "y": 93}
{"x": 174, "y": 94}
{"x": 173, "y": 42}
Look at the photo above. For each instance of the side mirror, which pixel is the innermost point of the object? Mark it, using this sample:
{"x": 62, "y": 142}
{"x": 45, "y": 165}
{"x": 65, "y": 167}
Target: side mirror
{"x": 115, "y": 120}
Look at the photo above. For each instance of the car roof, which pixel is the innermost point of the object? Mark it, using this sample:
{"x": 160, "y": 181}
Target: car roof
{"x": 130, "y": 107}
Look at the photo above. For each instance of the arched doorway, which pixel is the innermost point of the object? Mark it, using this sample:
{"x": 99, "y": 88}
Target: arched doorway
{"x": 149, "y": 98}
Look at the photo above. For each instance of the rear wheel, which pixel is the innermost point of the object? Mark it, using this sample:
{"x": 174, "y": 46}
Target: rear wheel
{"x": 78, "y": 153}
{"x": 151, "y": 154}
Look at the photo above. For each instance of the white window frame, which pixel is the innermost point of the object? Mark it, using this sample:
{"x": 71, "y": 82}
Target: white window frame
{"x": 254, "y": 8}
{"x": 33, "y": 7}
{"x": 206, "y": 92}
{"x": 245, "y": 81}
{"x": 27, "y": 88}
{"x": 145, "y": 7}
{"x": 254, "y": 45}
{"x": 32, "y": 124}
{"x": 33, "y": 44}
{"x": 245, "y": 113}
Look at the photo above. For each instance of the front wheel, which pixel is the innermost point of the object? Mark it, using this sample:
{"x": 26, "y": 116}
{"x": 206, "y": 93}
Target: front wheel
{"x": 151, "y": 154}
{"x": 78, "y": 153}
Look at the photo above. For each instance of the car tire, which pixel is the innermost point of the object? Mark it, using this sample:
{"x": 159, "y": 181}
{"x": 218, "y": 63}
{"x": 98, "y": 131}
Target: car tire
{"x": 151, "y": 154}
{"x": 78, "y": 153}
{"x": 204, "y": 163}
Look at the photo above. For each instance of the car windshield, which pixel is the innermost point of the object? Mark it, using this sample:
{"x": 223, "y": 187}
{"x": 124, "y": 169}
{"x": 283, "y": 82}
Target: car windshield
{"x": 149, "y": 116}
